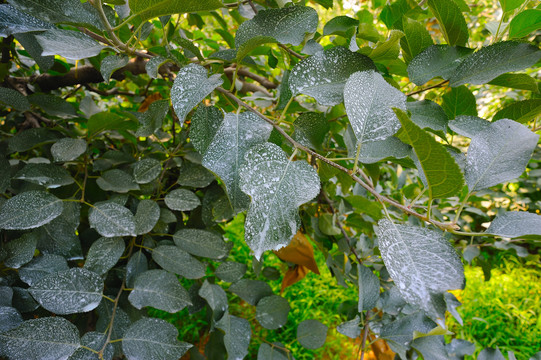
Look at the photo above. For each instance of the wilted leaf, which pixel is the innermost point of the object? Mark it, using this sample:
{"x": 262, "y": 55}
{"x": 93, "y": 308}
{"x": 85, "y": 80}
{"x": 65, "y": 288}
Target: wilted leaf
{"x": 293, "y": 275}
{"x": 299, "y": 251}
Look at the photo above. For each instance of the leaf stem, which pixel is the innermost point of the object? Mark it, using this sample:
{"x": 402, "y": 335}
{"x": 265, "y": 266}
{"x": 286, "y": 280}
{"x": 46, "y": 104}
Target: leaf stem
{"x": 357, "y": 154}
{"x": 459, "y": 211}
{"x": 89, "y": 349}
{"x": 111, "y": 322}
{"x": 108, "y": 298}
{"x": 283, "y": 114}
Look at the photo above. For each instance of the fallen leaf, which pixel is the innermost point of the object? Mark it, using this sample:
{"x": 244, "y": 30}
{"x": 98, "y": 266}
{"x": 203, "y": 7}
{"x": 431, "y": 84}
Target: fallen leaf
{"x": 300, "y": 252}
{"x": 293, "y": 274}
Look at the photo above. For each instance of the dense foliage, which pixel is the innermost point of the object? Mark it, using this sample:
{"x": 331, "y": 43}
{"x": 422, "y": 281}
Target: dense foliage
{"x": 134, "y": 131}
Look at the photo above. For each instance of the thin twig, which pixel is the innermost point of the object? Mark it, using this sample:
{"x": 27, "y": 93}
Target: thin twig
{"x": 366, "y": 329}
{"x": 428, "y": 88}
{"x": 292, "y": 52}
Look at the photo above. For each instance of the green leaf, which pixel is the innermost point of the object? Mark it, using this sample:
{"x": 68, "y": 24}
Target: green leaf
{"x": 159, "y": 289}
{"x": 117, "y": 180}
{"x": 176, "y": 260}
{"x": 215, "y": 297}
{"x": 230, "y": 271}
{"x": 499, "y": 153}
{"x": 490, "y": 354}
{"x": 72, "y": 45}
{"x": 47, "y": 175}
{"x": 19, "y": 251}
{"x": 190, "y": 87}
{"x": 350, "y": 328}
{"x": 146, "y": 216}
{"x": 416, "y": 38}
{"x": 29, "y": 210}
{"x": 67, "y": 292}
{"x": 148, "y": 9}
{"x": 108, "y": 121}
{"x": 237, "y": 335}
{"x": 146, "y": 170}
{"x": 28, "y": 139}
{"x": 428, "y": 115}
{"x": 451, "y": 20}
{"x": 152, "y": 119}
{"x": 137, "y": 265}
{"x": 14, "y": 99}
{"x": 524, "y": 23}
{"x": 516, "y": 81}
{"x": 277, "y": 187}
{"x": 311, "y": 129}
{"x": 111, "y": 219}
{"x": 389, "y": 49}
{"x": 13, "y": 21}
{"x": 516, "y": 224}
{"x": 375, "y": 151}
{"x": 153, "y": 339}
{"x": 225, "y": 154}
{"x": 442, "y": 173}
{"x": 273, "y": 351}
{"x": 32, "y": 46}
{"x": 194, "y": 175}
{"x": 468, "y": 126}
{"x": 459, "y": 101}
{"x": 182, "y": 200}
{"x": 10, "y": 318}
{"x": 339, "y": 25}
{"x": 5, "y": 174}
{"x": 251, "y": 291}
{"x": 399, "y": 333}
{"x": 520, "y": 111}
{"x": 436, "y": 61}
{"x": 286, "y": 26}
{"x": 508, "y": 5}
{"x": 421, "y": 262}
{"x": 41, "y": 267}
{"x": 327, "y": 225}
{"x": 272, "y": 311}
{"x": 95, "y": 341}
{"x": 201, "y": 243}
{"x": 53, "y": 105}
{"x": 68, "y": 149}
{"x": 369, "y": 100}
{"x": 104, "y": 254}
{"x": 324, "y": 75}
{"x": 206, "y": 121}
{"x": 110, "y": 64}
{"x": 311, "y": 334}
{"x": 152, "y": 66}
{"x": 44, "y": 338}
{"x": 368, "y": 289}
{"x": 491, "y": 61}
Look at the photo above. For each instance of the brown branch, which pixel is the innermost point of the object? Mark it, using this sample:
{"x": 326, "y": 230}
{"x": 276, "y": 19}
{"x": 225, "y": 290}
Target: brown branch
{"x": 378, "y": 196}
{"x": 246, "y": 73}
{"x": 366, "y": 329}
{"x": 428, "y": 88}
{"x": 292, "y": 52}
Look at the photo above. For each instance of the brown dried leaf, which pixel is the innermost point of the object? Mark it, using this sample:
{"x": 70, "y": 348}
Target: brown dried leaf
{"x": 300, "y": 252}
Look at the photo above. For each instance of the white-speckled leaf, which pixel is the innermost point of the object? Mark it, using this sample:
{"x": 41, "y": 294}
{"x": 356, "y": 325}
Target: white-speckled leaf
{"x": 468, "y": 126}
{"x": 206, "y": 121}
{"x": 117, "y": 180}
{"x": 231, "y": 271}
{"x": 250, "y": 290}
{"x": 9, "y": 318}
{"x": 146, "y": 170}
{"x": 277, "y": 188}
{"x": 323, "y": 75}
{"x": 152, "y": 119}
{"x": 111, "y": 219}
{"x": 272, "y": 311}
{"x": 421, "y": 262}
{"x": 312, "y": 334}
{"x": 67, "y": 292}
{"x": 153, "y": 65}
{"x": 237, "y": 336}
{"x": 95, "y": 341}
{"x": 29, "y": 210}
{"x": 499, "y": 153}
{"x": 68, "y": 149}
{"x": 191, "y": 86}
{"x": 137, "y": 264}
{"x": 146, "y": 216}
{"x": 216, "y": 298}
{"x": 13, "y": 21}
{"x": 350, "y": 328}
{"x": 428, "y": 114}
{"x": 38, "y": 339}
{"x": 225, "y": 154}
{"x": 159, "y": 289}
{"x": 516, "y": 224}
{"x": 112, "y": 63}
{"x": 153, "y": 339}
{"x": 286, "y": 26}
{"x": 104, "y": 254}
{"x": 368, "y": 288}
{"x": 178, "y": 261}
{"x": 201, "y": 243}
{"x": 41, "y": 267}
{"x": 194, "y": 175}
{"x": 369, "y": 100}
{"x": 49, "y": 176}
{"x": 182, "y": 200}
{"x": 19, "y": 251}
{"x": 72, "y": 45}
{"x": 15, "y": 100}
{"x": 375, "y": 151}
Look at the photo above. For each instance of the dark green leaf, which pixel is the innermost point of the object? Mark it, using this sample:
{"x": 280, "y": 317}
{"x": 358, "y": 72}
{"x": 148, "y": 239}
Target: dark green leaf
{"x": 67, "y": 292}
{"x": 41, "y": 267}
{"x": 176, "y": 260}
{"x": 399, "y": 333}
{"x": 201, "y": 243}
{"x": 459, "y": 101}
{"x": 428, "y": 114}
{"x": 374, "y": 151}
{"x": 225, "y": 154}
{"x": 251, "y": 291}
{"x": 29, "y": 210}
{"x": 72, "y": 45}
{"x": 146, "y": 170}
{"x": 516, "y": 81}
{"x": 151, "y": 120}
{"x": 451, "y": 21}
{"x": 499, "y": 153}
{"x": 5, "y": 174}
{"x": 68, "y": 149}
{"x": 13, "y": 21}
{"x": 237, "y": 335}
{"x": 350, "y": 328}
{"x": 137, "y": 264}
{"x": 191, "y": 86}
{"x": 324, "y": 75}
{"x": 272, "y": 311}
{"x": 153, "y": 339}
{"x": 277, "y": 187}
{"x": 182, "y": 200}
{"x": 230, "y": 271}
{"x": 47, "y": 175}
{"x": 28, "y": 139}
{"x": 311, "y": 129}
{"x": 34, "y": 49}
{"x": 274, "y": 351}
{"x": 490, "y": 354}
{"x": 311, "y": 334}
{"x": 516, "y": 224}
{"x": 112, "y": 63}
{"x": 520, "y": 111}
{"x": 10, "y": 318}
{"x": 19, "y": 251}
{"x": 104, "y": 254}
{"x": 111, "y": 219}
{"x": 37, "y": 339}
{"x": 206, "y": 121}
{"x": 148, "y": 9}
{"x": 215, "y": 297}
{"x": 14, "y": 99}
{"x": 159, "y": 289}
{"x": 458, "y": 348}
{"x": 368, "y": 289}
{"x": 53, "y": 105}
{"x": 103, "y": 121}
{"x": 146, "y": 217}
{"x": 95, "y": 341}
{"x": 491, "y": 61}
{"x": 339, "y": 25}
